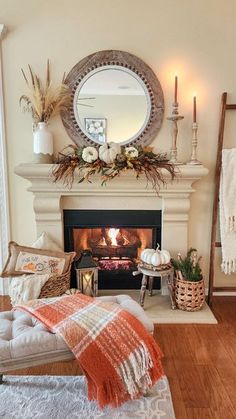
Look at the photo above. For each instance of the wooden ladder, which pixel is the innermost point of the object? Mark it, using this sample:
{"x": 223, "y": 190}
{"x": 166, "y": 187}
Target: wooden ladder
{"x": 214, "y": 243}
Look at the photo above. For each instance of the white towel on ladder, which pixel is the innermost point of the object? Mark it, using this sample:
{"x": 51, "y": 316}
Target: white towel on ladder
{"x": 228, "y": 210}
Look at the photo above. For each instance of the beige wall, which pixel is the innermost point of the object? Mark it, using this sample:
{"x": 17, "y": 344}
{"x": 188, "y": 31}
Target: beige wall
{"x": 194, "y": 38}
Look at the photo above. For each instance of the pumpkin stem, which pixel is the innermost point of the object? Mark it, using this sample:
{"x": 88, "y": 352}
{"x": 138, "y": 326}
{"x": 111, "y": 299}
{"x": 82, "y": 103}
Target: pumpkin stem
{"x": 157, "y": 246}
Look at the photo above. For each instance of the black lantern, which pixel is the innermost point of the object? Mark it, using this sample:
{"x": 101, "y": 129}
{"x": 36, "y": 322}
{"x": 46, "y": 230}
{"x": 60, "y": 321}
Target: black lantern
{"x": 87, "y": 274}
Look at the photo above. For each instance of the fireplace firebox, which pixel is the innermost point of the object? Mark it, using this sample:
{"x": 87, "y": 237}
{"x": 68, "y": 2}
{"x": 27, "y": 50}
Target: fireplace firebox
{"x": 116, "y": 239}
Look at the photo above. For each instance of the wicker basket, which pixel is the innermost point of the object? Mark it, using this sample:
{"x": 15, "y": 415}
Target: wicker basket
{"x": 189, "y": 296}
{"x": 56, "y": 285}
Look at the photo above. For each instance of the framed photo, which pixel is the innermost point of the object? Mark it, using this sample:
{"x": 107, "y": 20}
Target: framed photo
{"x": 96, "y": 128}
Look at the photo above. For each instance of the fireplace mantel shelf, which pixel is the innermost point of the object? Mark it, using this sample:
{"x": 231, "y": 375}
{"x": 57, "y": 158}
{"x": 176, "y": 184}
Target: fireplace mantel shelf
{"x": 124, "y": 185}
{"x": 124, "y": 192}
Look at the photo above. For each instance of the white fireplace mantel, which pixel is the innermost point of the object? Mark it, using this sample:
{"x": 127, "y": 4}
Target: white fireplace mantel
{"x": 124, "y": 192}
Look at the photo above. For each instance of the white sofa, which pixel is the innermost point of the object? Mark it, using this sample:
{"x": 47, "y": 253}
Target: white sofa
{"x": 25, "y": 342}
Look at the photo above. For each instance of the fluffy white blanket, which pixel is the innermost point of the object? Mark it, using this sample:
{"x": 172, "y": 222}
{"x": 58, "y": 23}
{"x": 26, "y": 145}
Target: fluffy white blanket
{"x": 228, "y": 210}
{"x": 26, "y": 287}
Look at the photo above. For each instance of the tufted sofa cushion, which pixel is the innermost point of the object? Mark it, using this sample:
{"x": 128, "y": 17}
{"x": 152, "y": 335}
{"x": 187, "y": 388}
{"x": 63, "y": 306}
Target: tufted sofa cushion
{"x": 22, "y": 335}
{"x": 25, "y": 342}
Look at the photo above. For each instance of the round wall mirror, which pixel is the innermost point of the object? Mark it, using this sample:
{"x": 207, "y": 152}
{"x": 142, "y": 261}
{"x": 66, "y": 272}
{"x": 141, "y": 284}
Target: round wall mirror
{"x": 116, "y": 97}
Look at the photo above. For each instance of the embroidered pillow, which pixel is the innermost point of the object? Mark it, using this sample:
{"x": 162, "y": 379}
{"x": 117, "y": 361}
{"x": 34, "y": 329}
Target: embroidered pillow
{"x": 41, "y": 264}
{"x": 24, "y": 259}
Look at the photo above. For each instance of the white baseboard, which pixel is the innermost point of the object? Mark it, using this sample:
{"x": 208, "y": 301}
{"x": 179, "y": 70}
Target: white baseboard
{"x": 222, "y": 293}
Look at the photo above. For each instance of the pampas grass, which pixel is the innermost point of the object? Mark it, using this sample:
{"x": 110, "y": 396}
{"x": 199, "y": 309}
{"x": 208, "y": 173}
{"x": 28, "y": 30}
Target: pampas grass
{"x": 44, "y": 100}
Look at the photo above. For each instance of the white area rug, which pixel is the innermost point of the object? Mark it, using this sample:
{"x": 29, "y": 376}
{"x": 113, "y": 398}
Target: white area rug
{"x": 158, "y": 309}
{"x": 57, "y": 397}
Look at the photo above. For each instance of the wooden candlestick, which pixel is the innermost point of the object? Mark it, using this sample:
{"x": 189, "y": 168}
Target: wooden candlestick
{"x": 174, "y": 118}
{"x": 194, "y": 159}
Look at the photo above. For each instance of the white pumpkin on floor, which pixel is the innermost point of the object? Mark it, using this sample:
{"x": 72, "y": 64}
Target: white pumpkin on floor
{"x": 155, "y": 257}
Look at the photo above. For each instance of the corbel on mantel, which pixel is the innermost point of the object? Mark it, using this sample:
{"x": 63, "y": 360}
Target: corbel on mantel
{"x": 4, "y": 201}
{"x": 123, "y": 192}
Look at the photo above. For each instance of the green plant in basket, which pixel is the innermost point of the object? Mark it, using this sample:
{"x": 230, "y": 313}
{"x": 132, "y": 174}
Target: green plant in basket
{"x": 188, "y": 268}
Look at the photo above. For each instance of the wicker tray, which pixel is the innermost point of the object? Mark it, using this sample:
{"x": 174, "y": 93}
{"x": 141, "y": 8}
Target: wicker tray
{"x": 56, "y": 285}
{"x": 189, "y": 296}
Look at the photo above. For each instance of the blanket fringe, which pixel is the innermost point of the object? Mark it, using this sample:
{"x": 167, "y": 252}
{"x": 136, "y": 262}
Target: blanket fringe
{"x": 111, "y": 392}
{"x": 135, "y": 377}
{"x": 231, "y": 223}
{"x": 228, "y": 266}
{"x": 135, "y": 371}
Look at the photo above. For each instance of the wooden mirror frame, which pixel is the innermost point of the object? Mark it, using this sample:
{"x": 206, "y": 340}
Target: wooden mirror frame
{"x": 134, "y": 64}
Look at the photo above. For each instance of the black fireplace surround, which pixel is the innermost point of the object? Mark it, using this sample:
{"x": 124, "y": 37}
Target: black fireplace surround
{"x": 75, "y": 221}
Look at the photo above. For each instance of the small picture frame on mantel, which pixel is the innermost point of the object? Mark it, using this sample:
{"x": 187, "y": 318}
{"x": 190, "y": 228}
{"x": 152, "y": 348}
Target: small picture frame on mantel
{"x": 96, "y": 128}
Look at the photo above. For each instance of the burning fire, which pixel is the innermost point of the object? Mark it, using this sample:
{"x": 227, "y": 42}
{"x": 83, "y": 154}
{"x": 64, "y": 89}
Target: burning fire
{"x": 113, "y": 233}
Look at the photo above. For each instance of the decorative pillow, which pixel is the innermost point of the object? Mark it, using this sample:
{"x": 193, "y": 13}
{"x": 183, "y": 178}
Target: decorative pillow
{"x": 41, "y": 264}
{"x": 46, "y": 242}
{"x": 26, "y": 287}
{"x": 23, "y": 259}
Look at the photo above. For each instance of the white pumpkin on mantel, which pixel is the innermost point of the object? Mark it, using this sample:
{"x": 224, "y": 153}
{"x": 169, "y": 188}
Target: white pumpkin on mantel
{"x": 155, "y": 257}
{"x": 108, "y": 152}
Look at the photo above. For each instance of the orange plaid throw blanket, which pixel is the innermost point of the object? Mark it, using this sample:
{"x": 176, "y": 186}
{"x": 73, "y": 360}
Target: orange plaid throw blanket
{"x": 120, "y": 359}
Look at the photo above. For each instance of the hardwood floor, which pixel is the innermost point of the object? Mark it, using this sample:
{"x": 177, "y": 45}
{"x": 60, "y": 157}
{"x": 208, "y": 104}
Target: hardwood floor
{"x": 200, "y": 363}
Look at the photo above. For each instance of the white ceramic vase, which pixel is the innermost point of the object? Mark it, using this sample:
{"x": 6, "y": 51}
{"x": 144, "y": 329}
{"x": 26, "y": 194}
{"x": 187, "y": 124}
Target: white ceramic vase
{"x": 43, "y": 144}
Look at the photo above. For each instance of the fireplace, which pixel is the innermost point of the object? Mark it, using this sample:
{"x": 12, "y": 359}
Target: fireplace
{"x": 125, "y": 192}
{"x": 116, "y": 239}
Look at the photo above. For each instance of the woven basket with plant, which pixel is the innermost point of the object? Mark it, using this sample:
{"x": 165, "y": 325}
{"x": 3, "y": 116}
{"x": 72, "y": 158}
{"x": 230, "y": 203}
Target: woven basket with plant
{"x": 189, "y": 283}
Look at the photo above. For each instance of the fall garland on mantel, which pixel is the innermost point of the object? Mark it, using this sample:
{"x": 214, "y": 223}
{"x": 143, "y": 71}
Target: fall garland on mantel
{"x": 109, "y": 160}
